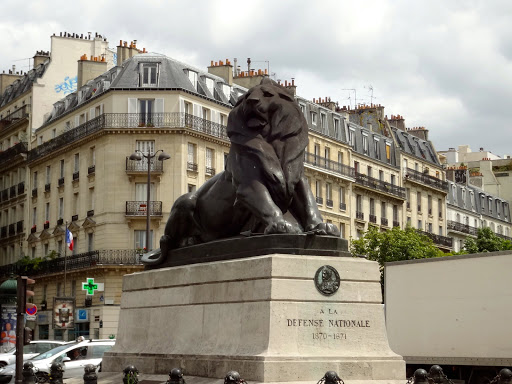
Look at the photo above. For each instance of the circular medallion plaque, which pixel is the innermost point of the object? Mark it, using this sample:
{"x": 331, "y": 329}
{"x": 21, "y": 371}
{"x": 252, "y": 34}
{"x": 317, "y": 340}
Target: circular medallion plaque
{"x": 327, "y": 280}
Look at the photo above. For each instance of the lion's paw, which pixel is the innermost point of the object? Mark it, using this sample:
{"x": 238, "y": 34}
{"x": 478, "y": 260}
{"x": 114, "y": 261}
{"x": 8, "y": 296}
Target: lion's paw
{"x": 323, "y": 229}
{"x": 281, "y": 226}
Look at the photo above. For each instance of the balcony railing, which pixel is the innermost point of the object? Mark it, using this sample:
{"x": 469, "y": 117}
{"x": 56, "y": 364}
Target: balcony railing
{"x": 380, "y": 185}
{"x": 77, "y": 262}
{"x": 426, "y": 179}
{"x": 3, "y": 232}
{"x": 61, "y": 182}
{"x": 21, "y": 188}
{"x": 328, "y": 203}
{"x": 33, "y": 229}
{"x": 91, "y": 169}
{"x": 47, "y": 187}
{"x": 383, "y": 221}
{"x": 192, "y": 167}
{"x": 12, "y": 191}
{"x": 343, "y": 206}
{"x": 139, "y": 208}
{"x": 130, "y": 120}
{"x": 74, "y": 218}
{"x": 142, "y": 165}
{"x": 46, "y": 225}
{"x": 34, "y": 192}
{"x": 322, "y": 162}
{"x": 12, "y": 229}
{"x": 19, "y": 226}
{"x": 453, "y": 225}
{"x": 439, "y": 240}
{"x": 10, "y": 153}
{"x": 504, "y": 236}
{"x": 76, "y": 175}
{"x": 60, "y": 221}
{"x": 396, "y": 223}
{"x": 372, "y": 218}
{"x": 90, "y": 213}
{"x": 16, "y": 117}
{"x": 319, "y": 200}
{"x": 210, "y": 171}
{"x": 359, "y": 215}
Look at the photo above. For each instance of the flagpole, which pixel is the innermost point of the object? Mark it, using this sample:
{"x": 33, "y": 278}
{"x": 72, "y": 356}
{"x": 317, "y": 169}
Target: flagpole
{"x": 65, "y": 256}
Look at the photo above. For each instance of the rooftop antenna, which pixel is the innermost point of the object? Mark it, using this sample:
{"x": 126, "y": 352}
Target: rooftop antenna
{"x": 263, "y": 61}
{"x": 355, "y": 95}
{"x": 370, "y": 88}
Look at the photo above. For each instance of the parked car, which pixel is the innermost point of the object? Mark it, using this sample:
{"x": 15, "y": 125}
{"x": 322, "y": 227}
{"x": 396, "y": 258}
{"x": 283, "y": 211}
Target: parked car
{"x": 73, "y": 356}
{"x": 30, "y": 350}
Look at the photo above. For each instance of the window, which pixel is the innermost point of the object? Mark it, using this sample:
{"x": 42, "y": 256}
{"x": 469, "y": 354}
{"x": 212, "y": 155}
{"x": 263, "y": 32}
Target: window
{"x": 336, "y": 128}
{"x": 209, "y": 160}
{"x": 381, "y": 175}
{"x": 416, "y": 167}
{"x": 316, "y": 150}
{"x": 40, "y": 140}
{"x": 47, "y": 212}
{"x": 376, "y": 148}
{"x": 359, "y": 203}
{"x": 370, "y": 173}
{"x": 35, "y": 179}
{"x": 420, "y": 225}
{"x": 141, "y": 191}
{"x": 61, "y": 207}
{"x": 145, "y": 146}
{"x": 365, "y": 144}
{"x": 429, "y": 203}
{"x": 351, "y": 137}
{"x": 440, "y": 208}
{"x": 59, "y": 247}
{"x": 328, "y": 191}
{"x": 342, "y": 230}
{"x": 388, "y": 152}
{"x": 393, "y": 179}
{"x": 313, "y": 118}
{"x": 472, "y": 198}
{"x": 226, "y": 89}
{"x": 430, "y": 227}
{"x": 342, "y": 195}
{"x": 323, "y": 120}
{"x": 210, "y": 84}
{"x": 418, "y": 199}
{"x": 356, "y": 166}
{"x": 140, "y": 239}
{"x": 62, "y": 168}
{"x": 77, "y": 162}
{"x": 372, "y": 207}
{"x": 48, "y": 174}
{"x": 383, "y": 209}
{"x": 303, "y": 109}
{"x": 92, "y": 154}
{"x": 440, "y": 231}
{"x": 191, "y": 188}
{"x": 192, "y": 76}
{"x": 191, "y": 154}
{"x": 327, "y": 152}
{"x": 490, "y": 205}
{"x": 146, "y": 109}
{"x": 318, "y": 188}
{"x": 464, "y": 197}
{"x": 90, "y": 242}
{"x": 54, "y": 133}
{"x": 34, "y": 216}
{"x": 205, "y": 113}
{"x": 395, "y": 212}
{"x": 149, "y": 75}
{"x": 225, "y": 159}
{"x": 76, "y": 203}
{"x": 340, "y": 157}
{"x": 223, "y": 119}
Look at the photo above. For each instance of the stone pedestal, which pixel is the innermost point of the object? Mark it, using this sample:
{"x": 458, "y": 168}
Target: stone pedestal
{"x": 261, "y": 316}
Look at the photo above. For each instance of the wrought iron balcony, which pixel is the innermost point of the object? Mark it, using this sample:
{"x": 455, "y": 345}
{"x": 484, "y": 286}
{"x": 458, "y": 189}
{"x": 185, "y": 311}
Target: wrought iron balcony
{"x": 10, "y": 153}
{"x": 439, "y": 240}
{"x": 90, "y": 213}
{"x": 328, "y": 203}
{"x": 373, "y": 218}
{"x": 504, "y": 236}
{"x": 12, "y": 229}
{"x": 455, "y": 226}
{"x": 408, "y": 205}
{"x": 3, "y": 232}
{"x": 5, "y": 194}
{"x": 61, "y": 182}
{"x": 74, "y": 218}
{"x": 34, "y": 192}
{"x": 210, "y": 171}
{"x": 191, "y": 167}
{"x": 19, "y": 226}
{"x": 383, "y": 221}
{"x": 343, "y": 206}
{"x": 396, "y": 223}
{"x": 139, "y": 208}
{"x": 18, "y": 116}
{"x": 334, "y": 166}
{"x": 136, "y": 166}
{"x": 12, "y": 191}
{"x": 91, "y": 169}
{"x": 319, "y": 200}
{"x": 60, "y": 221}
{"x": 130, "y": 120}
{"x": 76, "y": 175}
{"x": 33, "y": 229}
{"x": 47, "y": 187}
{"x": 359, "y": 215}
{"x": 426, "y": 179}
{"x": 46, "y": 225}
{"x": 80, "y": 261}
{"x": 380, "y": 185}
{"x": 21, "y": 188}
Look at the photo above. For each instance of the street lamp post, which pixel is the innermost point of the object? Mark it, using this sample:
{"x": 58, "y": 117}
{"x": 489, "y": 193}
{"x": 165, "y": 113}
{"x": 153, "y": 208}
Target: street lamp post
{"x": 138, "y": 155}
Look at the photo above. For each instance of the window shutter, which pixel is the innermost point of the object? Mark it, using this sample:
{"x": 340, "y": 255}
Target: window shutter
{"x": 132, "y": 105}
{"x": 101, "y": 109}
{"x": 182, "y": 106}
{"x": 159, "y": 105}
{"x": 77, "y": 121}
{"x": 91, "y": 113}
{"x": 197, "y": 110}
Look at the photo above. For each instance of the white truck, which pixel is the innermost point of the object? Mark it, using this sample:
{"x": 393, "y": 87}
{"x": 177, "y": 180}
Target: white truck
{"x": 453, "y": 311}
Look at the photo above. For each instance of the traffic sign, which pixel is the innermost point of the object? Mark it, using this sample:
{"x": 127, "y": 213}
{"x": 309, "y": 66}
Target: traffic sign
{"x": 32, "y": 310}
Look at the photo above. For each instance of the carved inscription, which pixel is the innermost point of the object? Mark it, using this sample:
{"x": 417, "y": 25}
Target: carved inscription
{"x": 328, "y": 329}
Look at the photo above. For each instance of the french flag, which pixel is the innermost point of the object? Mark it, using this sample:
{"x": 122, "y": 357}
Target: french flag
{"x": 69, "y": 239}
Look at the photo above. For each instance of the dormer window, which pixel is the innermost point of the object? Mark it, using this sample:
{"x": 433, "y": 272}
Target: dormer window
{"x": 227, "y": 90}
{"x": 192, "y": 76}
{"x": 149, "y": 75}
{"x": 209, "y": 84}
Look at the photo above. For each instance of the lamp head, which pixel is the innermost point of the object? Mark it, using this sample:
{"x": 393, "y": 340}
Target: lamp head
{"x": 135, "y": 156}
{"x": 164, "y": 156}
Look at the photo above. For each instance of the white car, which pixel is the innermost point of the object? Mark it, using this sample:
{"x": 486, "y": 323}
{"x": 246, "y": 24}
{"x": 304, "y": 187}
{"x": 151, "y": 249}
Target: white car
{"x": 73, "y": 357}
{"x": 30, "y": 350}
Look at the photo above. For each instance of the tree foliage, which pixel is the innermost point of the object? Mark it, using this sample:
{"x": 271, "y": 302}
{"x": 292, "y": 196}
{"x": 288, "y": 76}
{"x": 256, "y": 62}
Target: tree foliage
{"x": 394, "y": 245}
{"x": 486, "y": 241}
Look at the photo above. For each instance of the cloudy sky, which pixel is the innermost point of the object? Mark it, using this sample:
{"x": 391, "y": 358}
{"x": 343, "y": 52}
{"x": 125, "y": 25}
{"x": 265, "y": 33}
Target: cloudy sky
{"x": 442, "y": 64}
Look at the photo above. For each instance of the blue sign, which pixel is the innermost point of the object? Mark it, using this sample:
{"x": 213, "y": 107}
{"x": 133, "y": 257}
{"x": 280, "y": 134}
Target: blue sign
{"x": 82, "y": 314}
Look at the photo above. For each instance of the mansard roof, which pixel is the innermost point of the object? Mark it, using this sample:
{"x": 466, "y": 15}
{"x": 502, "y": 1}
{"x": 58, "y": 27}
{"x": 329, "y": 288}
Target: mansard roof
{"x": 415, "y": 146}
{"x": 23, "y": 84}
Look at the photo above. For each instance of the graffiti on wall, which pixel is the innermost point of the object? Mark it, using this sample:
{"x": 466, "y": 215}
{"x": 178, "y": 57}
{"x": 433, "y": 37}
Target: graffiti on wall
{"x": 67, "y": 86}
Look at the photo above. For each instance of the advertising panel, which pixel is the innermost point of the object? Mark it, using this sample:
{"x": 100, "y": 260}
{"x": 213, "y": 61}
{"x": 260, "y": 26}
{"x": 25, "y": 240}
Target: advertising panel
{"x": 63, "y": 312}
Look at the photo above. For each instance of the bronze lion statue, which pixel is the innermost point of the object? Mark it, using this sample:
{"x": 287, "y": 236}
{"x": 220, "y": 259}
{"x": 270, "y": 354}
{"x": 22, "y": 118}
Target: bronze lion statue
{"x": 263, "y": 180}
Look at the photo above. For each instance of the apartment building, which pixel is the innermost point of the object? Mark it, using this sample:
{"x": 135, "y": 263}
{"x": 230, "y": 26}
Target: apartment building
{"x": 25, "y": 99}
{"x": 470, "y": 208}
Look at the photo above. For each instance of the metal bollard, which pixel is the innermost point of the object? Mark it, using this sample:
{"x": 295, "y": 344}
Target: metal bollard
{"x": 175, "y": 377}
{"x": 29, "y": 374}
{"x": 233, "y": 377}
{"x": 437, "y": 375}
{"x": 90, "y": 376}
{"x": 331, "y": 377}
{"x": 130, "y": 375}
{"x": 56, "y": 372}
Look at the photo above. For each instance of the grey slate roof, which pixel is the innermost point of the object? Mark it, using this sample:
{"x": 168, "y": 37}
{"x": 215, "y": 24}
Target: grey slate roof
{"x": 455, "y": 199}
{"x": 415, "y": 146}
{"x": 172, "y": 75}
{"x": 23, "y": 84}
{"x": 360, "y": 131}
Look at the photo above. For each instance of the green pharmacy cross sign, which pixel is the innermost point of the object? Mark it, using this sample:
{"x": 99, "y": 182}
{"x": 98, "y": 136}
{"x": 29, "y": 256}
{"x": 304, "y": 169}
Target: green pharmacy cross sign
{"x": 89, "y": 286}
